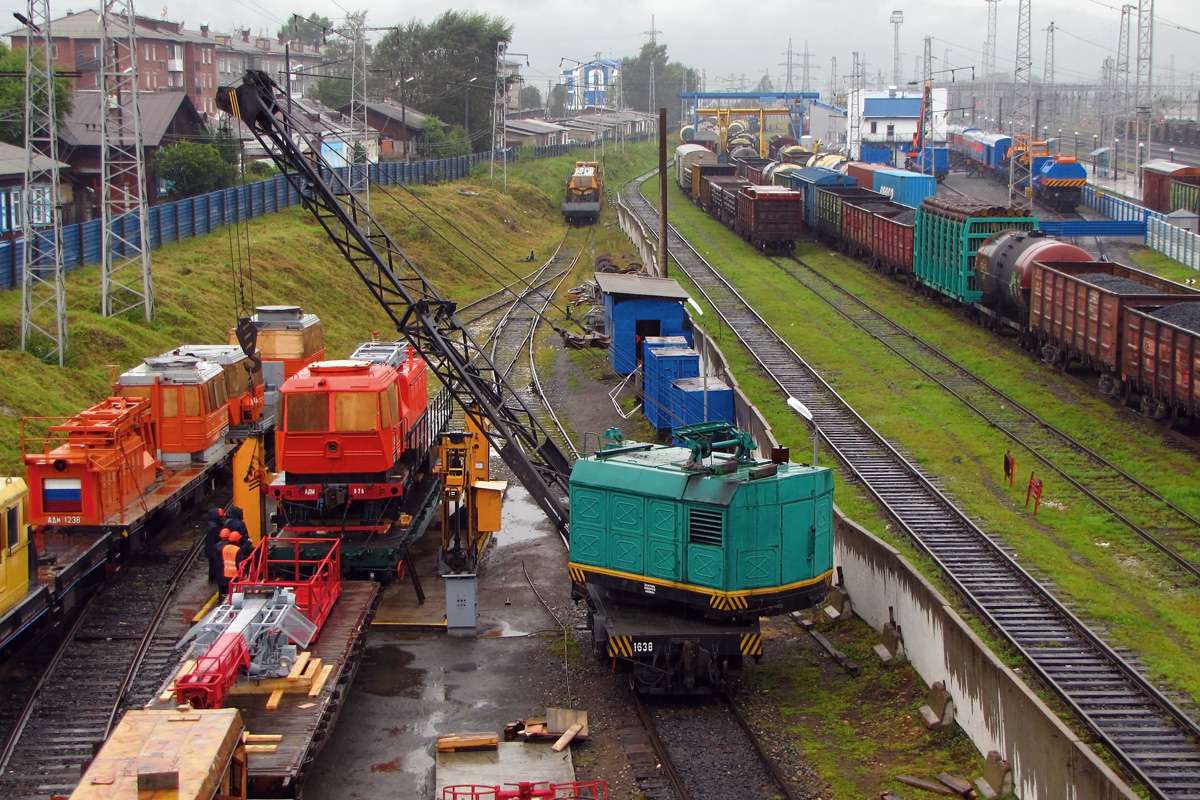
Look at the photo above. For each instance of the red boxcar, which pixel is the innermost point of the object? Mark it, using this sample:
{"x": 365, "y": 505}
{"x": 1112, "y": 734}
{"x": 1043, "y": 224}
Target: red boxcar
{"x": 770, "y": 216}
{"x": 1162, "y": 357}
{"x": 1076, "y": 309}
{"x": 892, "y": 239}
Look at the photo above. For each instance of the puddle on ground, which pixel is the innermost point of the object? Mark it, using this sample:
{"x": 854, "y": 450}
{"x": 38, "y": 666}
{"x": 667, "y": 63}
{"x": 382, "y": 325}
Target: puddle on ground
{"x": 522, "y": 520}
{"x": 503, "y": 631}
{"x": 466, "y": 666}
{"x": 385, "y": 672}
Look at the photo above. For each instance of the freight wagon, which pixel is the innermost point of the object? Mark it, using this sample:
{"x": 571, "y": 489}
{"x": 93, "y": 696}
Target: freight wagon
{"x": 687, "y": 156}
{"x": 770, "y": 217}
{"x": 699, "y": 172}
{"x": 830, "y": 200}
{"x": 1161, "y": 357}
{"x": 807, "y": 181}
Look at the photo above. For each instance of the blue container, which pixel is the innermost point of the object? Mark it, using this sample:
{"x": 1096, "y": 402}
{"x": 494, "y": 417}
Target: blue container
{"x": 662, "y": 367}
{"x": 688, "y": 401}
{"x": 807, "y": 180}
{"x": 902, "y": 186}
{"x": 933, "y": 161}
{"x": 876, "y": 154}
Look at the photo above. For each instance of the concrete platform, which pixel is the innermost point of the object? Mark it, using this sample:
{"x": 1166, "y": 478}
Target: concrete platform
{"x": 1126, "y": 186}
{"x": 399, "y": 607}
{"x": 414, "y": 685}
{"x": 511, "y": 762}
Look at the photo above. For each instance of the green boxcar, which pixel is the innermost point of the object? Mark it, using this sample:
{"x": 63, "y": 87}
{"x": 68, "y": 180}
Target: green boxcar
{"x": 757, "y": 537}
{"x": 945, "y": 248}
{"x": 1185, "y": 196}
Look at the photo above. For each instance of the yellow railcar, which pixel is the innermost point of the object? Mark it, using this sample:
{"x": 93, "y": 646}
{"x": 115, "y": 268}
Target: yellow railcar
{"x": 22, "y": 599}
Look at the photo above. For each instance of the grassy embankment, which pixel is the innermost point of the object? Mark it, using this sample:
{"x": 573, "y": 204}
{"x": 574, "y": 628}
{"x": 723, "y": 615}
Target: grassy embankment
{"x": 293, "y": 262}
{"x": 1156, "y": 262}
{"x": 1095, "y": 565}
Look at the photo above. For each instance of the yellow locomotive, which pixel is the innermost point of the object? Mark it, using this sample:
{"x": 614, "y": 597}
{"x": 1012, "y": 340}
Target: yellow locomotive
{"x": 22, "y": 599}
{"x": 585, "y": 187}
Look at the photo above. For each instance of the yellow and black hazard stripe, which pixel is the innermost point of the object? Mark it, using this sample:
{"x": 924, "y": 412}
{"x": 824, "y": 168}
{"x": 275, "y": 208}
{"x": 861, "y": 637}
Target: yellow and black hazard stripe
{"x": 577, "y": 575}
{"x": 728, "y": 602}
{"x": 620, "y": 646}
{"x": 1063, "y": 181}
{"x": 751, "y": 644}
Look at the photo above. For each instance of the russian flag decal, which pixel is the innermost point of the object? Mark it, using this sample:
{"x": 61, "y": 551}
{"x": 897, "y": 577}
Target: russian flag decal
{"x": 62, "y": 495}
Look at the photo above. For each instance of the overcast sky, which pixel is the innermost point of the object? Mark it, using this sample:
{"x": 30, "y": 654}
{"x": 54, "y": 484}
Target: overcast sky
{"x": 727, "y": 38}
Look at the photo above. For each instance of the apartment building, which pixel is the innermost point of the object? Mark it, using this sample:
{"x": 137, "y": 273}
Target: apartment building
{"x": 239, "y": 51}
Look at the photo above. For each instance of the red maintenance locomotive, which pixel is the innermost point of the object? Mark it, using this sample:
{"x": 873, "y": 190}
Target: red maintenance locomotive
{"x": 352, "y": 447}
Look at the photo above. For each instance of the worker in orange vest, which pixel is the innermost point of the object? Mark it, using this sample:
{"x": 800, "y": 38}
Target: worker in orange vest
{"x": 231, "y": 558}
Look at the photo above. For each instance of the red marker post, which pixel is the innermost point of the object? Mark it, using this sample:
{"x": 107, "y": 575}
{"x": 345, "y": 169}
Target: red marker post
{"x": 1034, "y": 490}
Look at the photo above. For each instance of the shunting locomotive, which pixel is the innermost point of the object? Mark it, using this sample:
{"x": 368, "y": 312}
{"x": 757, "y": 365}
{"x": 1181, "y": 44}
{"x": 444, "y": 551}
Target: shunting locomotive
{"x": 678, "y": 550}
{"x": 585, "y": 188}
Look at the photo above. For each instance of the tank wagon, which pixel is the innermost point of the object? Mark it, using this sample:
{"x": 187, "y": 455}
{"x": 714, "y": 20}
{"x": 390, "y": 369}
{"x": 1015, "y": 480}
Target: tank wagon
{"x": 678, "y": 550}
{"x": 585, "y": 190}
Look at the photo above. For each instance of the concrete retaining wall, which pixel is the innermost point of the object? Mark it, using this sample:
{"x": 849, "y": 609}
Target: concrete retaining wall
{"x": 994, "y": 706}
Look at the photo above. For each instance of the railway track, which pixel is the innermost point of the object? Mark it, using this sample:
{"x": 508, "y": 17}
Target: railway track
{"x": 92, "y": 677}
{"x": 1141, "y": 726}
{"x": 1149, "y": 515}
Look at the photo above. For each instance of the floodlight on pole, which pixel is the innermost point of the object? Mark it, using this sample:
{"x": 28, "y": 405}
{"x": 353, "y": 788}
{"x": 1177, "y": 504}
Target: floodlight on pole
{"x": 695, "y": 307}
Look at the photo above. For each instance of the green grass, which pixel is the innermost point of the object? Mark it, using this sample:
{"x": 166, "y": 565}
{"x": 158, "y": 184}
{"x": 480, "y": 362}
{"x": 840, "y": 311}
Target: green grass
{"x": 1101, "y": 570}
{"x": 1156, "y": 262}
{"x": 857, "y": 733}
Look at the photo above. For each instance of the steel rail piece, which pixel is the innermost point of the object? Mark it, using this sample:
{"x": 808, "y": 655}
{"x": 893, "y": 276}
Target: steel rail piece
{"x": 883, "y": 329}
{"x": 535, "y": 379}
{"x": 1147, "y": 732}
{"x": 33, "y": 701}
{"x": 781, "y": 782}
{"x": 678, "y": 786}
{"x": 417, "y": 309}
{"x": 506, "y": 292}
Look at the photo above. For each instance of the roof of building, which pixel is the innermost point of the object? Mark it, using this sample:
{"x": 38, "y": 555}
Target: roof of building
{"x": 615, "y": 283}
{"x": 260, "y": 45}
{"x": 81, "y": 127}
{"x": 397, "y": 113}
{"x": 12, "y": 160}
{"x": 828, "y": 107}
{"x": 892, "y": 107}
{"x": 535, "y": 127}
{"x": 1169, "y": 167}
{"x": 86, "y": 25}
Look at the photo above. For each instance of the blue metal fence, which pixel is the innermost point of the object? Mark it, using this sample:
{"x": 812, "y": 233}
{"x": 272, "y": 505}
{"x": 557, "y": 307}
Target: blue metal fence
{"x": 1098, "y": 227}
{"x": 193, "y": 216}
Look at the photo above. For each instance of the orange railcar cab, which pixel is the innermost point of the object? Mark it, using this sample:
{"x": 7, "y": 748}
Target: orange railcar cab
{"x": 346, "y": 427}
{"x": 288, "y": 341}
{"x": 88, "y": 469}
{"x": 189, "y": 403}
{"x": 243, "y": 380}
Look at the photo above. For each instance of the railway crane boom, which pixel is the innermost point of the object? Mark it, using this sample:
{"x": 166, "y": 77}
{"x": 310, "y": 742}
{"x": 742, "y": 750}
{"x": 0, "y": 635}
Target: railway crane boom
{"x": 420, "y": 313}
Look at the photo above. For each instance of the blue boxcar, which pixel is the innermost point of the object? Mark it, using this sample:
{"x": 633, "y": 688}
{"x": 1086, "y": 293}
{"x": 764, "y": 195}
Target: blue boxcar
{"x": 807, "y": 180}
{"x": 688, "y": 401}
{"x": 902, "y": 186}
{"x": 662, "y": 367}
{"x": 632, "y": 318}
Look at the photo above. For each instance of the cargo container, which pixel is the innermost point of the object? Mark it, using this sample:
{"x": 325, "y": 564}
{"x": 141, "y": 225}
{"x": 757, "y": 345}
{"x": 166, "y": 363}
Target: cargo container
{"x": 1161, "y": 361}
{"x": 725, "y": 201}
{"x": 864, "y": 173}
{"x": 947, "y": 239}
{"x": 856, "y": 239}
{"x": 1076, "y": 308}
{"x": 934, "y": 161}
{"x": 808, "y": 181}
{"x": 662, "y": 367}
{"x": 686, "y": 157}
{"x": 707, "y": 182}
{"x": 829, "y": 207}
{"x": 904, "y": 187}
{"x": 892, "y": 241}
{"x": 696, "y": 400}
{"x": 702, "y": 171}
{"x": 877, "y": 154}
{"x": 770, "y": 217}
{"x": 1157, "y": 177}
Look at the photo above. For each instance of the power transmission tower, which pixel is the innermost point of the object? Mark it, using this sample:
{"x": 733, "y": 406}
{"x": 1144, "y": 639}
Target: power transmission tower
{"x": 500, "y": 115}
{"x": 897, "y": 19}
{"x": 653, "y": 34}
{"x": 125, "y": 281}
{"x": 359, "y": 162}
{"x": 832, "y": 80}
{"x": 807, "y": 69}
{"x": 1145, "y": 80}
{"x": 854, "y": 108}
{"x": 927, "y": 106}
{"x": 1020, "y": 190}
{"x": 789, "y": 82}
{"x": 1122, "y": 111}
{"x": 989, "y": 58}
{"x": 43, "y": 291}
{"x": 1051, "y": 101}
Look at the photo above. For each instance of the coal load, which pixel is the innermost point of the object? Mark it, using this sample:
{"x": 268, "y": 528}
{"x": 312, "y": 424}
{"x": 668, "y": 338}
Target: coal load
{"x": 1185, "y": 315}
{"x": 906, "y": 217}
{"x": 1116, "y": 284}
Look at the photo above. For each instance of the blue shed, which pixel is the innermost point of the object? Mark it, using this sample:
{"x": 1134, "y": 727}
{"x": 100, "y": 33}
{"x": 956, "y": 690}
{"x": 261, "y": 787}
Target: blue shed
{"x": 636, "y": 307}
{"x": 689, "y": 401}
{"x": 902, "y": 186}
{"x": 807, "y": 180}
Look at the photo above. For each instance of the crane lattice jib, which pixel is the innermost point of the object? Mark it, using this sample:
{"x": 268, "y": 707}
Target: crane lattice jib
{"x": 419, "y": 312}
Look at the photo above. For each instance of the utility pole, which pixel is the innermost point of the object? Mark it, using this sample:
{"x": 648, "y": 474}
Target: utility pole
{"x": 662, "y": 191}
{"x": 1020, "y": 187}
{"x": 1145, "y": 81}
{"x": 125, "y": 281}
{"x": 43, "y": 290}
{"x": 833, "y": 75}
{"x": 1048, "y": 77}
{"x": 927, "y": 109}
{"x": 897, "y": 19}
{"x": 989, "y": 59}
{"x": 854, "y": 108}
{"x": 359, "y": 161}
{"x": 653, "y": 34}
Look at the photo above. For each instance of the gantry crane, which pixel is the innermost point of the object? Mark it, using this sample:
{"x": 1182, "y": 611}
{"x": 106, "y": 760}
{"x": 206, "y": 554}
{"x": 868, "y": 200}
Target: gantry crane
{"x": 420, "y": 313}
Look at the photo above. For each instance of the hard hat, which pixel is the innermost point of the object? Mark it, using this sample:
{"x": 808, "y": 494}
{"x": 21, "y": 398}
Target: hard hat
{"x": 234, "y": 536}
{"x": 225, "y": 533}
